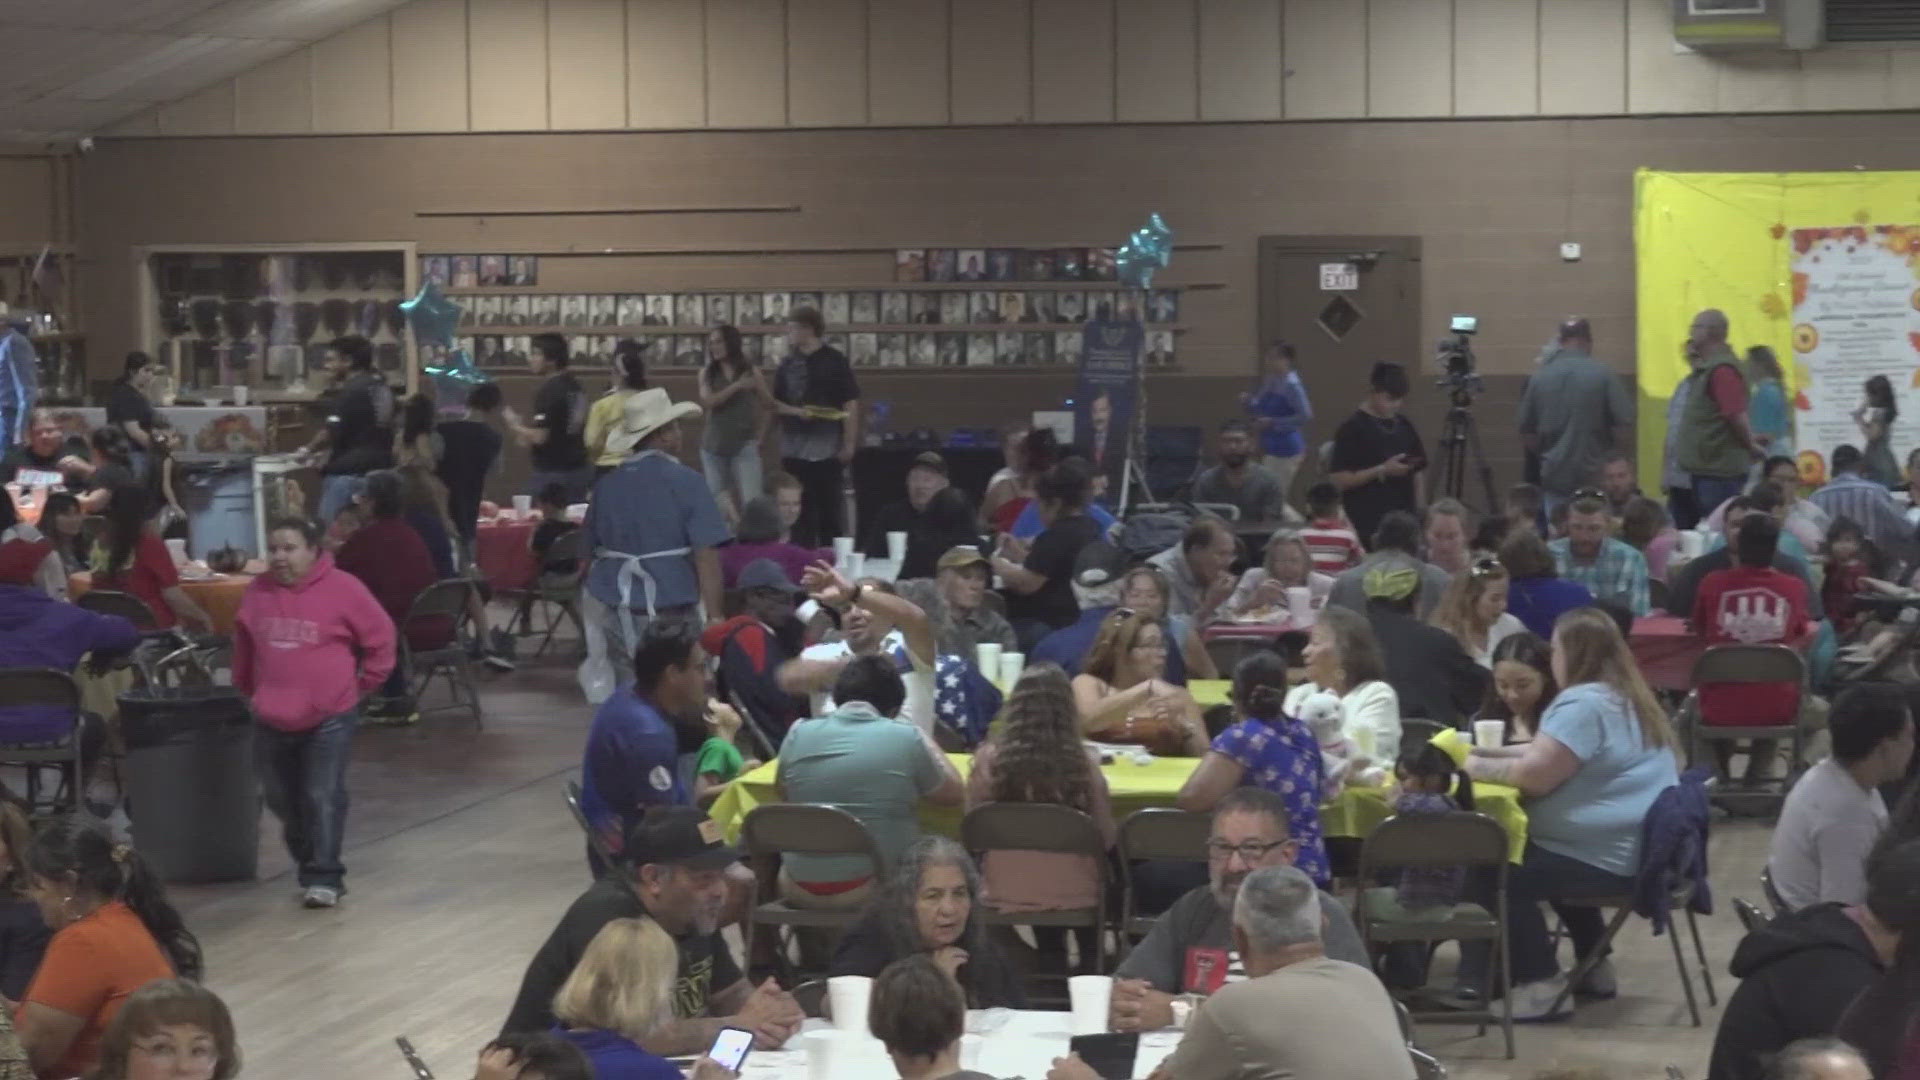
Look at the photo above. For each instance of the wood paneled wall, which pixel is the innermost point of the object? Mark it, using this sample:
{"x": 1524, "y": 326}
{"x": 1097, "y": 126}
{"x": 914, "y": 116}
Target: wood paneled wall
{"x": 593, "y": 65}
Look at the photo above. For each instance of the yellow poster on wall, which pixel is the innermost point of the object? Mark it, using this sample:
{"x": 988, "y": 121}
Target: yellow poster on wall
{"x": 1727, "y": 241}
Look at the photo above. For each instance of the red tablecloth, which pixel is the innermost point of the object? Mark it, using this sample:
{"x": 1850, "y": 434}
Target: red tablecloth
{"x": 1666, "y": 648}
{"x": 1250, "y": 630}
{"x": 504, "y": 554}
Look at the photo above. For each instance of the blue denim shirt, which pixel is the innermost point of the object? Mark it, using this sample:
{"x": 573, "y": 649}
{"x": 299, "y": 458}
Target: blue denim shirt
{"x": 651, "y": 503}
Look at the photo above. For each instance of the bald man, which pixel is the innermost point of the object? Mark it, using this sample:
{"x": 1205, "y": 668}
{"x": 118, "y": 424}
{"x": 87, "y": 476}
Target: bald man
{"x": 1715, "y": 446}
{"x": 1574, "y": 413}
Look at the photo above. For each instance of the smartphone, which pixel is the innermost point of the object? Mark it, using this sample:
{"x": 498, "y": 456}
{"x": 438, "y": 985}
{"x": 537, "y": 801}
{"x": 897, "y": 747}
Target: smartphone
{"x": 730, "y": 1048}
{"x": 1110, "y": 1055}
{"x": 420, "y": 1070}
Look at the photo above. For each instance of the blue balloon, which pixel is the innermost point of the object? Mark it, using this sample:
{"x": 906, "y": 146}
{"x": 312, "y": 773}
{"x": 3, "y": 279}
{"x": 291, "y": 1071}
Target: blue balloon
{"x": 432, "y": 316}
{"x": 1148, "y": 250}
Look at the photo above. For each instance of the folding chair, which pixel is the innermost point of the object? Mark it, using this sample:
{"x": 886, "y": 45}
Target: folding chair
{"x": 595, "y": 841}
{"x": 124, "y": 604}
{"x": 1425, "y": 1065}
{"x": 777, "y": 829}
{"x": 1433, "y": 841}
{"x": 560, "y": 591}
{"x": 763, "y": 746}
{"x": 58, "y": 690}
{"x": 1680, "y": 893}
{"x": 1750, "y": 917}
{"x": 1418, "y": 730}
{"x": 442, "y": 600}
{"x": 1227, "y": 652}
{"x": 1734, "y": 664}
{"x": 1044, "y": 827}
{"x": 1159, "y": 833}
{"x": 1778, "y": 902}
{"x": 1226, "y": 511}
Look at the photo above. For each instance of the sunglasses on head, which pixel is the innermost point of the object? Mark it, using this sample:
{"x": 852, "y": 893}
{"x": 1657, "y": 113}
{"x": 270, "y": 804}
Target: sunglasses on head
{"x": 1589, "y": 493}
{"x": 1484, "y": 566}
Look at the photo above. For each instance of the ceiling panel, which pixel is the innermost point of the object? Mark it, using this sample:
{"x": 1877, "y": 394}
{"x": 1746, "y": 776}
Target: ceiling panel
{"x": 76, "y": 66}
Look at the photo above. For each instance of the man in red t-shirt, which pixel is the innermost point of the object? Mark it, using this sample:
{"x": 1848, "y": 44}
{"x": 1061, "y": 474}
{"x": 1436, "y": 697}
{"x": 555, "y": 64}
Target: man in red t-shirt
{"x": 1751, "y": 603}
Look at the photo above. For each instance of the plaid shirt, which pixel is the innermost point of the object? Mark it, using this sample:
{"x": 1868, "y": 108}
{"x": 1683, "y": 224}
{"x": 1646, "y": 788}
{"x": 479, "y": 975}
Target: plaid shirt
{"x": 1618, "y": 573}
{"x": 1867, "y": 505}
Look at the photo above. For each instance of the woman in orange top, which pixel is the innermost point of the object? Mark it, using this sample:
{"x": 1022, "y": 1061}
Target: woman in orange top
{"x": 114, "y": 932}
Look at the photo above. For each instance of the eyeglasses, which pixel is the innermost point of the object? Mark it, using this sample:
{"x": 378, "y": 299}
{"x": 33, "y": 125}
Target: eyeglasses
{"x": 1485, "y": 567}
{"x": 1588, "y": 493}
{"x": 1250, "y": 852}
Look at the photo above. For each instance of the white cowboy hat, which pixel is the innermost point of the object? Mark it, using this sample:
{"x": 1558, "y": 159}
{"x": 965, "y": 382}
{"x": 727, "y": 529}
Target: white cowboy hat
{"x": 644, "y": 413}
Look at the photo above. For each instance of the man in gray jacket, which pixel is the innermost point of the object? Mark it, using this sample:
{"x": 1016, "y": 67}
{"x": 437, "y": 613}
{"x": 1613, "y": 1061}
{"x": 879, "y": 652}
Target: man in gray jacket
{"x": 1573, "y": 412}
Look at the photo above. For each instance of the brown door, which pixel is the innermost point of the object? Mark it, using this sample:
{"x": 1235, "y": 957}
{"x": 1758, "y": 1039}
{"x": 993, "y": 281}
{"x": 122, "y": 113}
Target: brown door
{"x": 1339, "y": 332}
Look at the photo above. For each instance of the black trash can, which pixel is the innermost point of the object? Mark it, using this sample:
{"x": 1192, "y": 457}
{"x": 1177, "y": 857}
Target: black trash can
{"x": 190, "y": 785}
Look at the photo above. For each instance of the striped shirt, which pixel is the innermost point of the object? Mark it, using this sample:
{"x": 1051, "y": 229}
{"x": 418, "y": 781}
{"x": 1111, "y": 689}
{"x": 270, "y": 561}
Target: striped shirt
{"x": 1618, "y": 573}
{"x": 1332, "y": 545}
{"x": 1869, "y": 506}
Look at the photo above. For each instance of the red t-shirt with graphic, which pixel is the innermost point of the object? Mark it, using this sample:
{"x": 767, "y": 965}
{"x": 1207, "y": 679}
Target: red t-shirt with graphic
{"x": 1750, "y": 606}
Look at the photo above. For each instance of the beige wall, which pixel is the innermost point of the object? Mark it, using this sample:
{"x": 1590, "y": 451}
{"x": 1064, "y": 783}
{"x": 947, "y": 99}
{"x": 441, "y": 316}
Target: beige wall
{"x": 586, "y": 65}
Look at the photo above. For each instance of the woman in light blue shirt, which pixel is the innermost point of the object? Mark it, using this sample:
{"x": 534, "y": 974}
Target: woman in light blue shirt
{"x": 1604, "y": 752}
{"x": 1281, "y": 410}
{"x": 1768, "y": 413}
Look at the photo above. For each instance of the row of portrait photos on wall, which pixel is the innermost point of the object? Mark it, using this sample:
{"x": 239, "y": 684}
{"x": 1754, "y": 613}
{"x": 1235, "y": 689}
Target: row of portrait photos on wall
{"x": 889, "y": 308}
{"x": 909, "y": 264}
{"x": 1005, "y": 348}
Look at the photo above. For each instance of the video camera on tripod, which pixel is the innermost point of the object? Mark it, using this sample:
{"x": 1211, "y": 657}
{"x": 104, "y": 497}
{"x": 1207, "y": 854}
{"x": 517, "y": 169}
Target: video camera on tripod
{"x": 1454, "y": 356}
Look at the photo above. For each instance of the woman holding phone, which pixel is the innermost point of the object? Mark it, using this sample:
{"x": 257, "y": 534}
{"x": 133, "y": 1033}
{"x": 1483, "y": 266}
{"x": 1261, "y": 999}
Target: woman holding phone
{"x": 619, "y": 991}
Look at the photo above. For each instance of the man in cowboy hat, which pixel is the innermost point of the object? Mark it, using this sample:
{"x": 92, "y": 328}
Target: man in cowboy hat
{"x": 652, "y": 527}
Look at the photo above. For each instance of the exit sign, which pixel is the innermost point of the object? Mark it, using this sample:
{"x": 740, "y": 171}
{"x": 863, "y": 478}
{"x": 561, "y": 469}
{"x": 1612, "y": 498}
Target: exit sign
{"x": 1339, "y": 277}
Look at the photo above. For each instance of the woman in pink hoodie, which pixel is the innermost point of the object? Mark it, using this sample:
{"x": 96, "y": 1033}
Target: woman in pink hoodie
{"x": 309, "y": 643}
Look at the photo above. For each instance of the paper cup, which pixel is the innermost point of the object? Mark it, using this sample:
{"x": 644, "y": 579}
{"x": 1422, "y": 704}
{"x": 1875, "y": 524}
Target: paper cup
{"x": 1091, "y": 995}
{"x": 847, "y": 995}
{"x": 240, "y": 395}
{"x": 970, "y": 1048}
{"x": 1300, "y": 603}
{"x": 897, "y": 547}
{"x": 522, "y": 505}
{"x": 1693, "y": 543}
{"x": 178, "y": 549}
{"x": 987, "y": 658}
{"x": 842, "y": 547}
{"x": 576, "y": 512}
{"x": 855, "y": 565}
{"x": 1011, "y": 665}
{"x": 1489, "y": 734}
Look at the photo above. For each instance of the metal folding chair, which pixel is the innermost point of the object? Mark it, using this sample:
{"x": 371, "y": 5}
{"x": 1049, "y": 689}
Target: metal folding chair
{"x": 1050, "y": 828}
{"x": 594, "y": 840}
{"x": 1161, "y": 834}
{"x": 560, "y": 591}
{"x": 1750, "y": 917}
{"x": 1227, "y": 652}
{"x": 777, "y": 829}
{"x": 1778, "y": 902}
{"x": 124, "y": 604}
{"x": 1680, "y": 894}
{"x": 442, "y": 600}
{"x": 1472, "y": 841}
{"x": 1733, "y": 664}
{"x": 1425, "y": 1065}
{"x": 54, "y": 689}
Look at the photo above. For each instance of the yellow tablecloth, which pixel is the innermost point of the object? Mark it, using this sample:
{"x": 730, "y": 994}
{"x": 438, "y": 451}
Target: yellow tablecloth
{"x": 1207, "y": 692}
{"x": 1356, "y": 812}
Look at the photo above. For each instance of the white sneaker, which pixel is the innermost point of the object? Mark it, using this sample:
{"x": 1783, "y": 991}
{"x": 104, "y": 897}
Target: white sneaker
{"x": 1600, "y": 983}
{"x": 1533, "y": 1002}
{"x": 320, "y": 896}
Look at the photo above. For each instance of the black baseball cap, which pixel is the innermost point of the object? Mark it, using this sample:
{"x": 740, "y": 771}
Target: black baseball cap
{"x": 927, "y": 459}
{"x": 678, "y": 836}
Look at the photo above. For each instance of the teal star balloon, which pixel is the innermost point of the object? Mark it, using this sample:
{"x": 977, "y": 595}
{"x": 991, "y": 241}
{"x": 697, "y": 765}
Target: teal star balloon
{"x": 432, "y": 316}
{"x": 1149, "y": 249}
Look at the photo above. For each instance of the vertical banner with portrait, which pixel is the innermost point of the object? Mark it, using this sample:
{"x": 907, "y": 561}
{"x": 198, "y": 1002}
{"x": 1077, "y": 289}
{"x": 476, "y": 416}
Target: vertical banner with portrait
{"x": 1856, "y": 315}
{"x": 1106, "y": 398}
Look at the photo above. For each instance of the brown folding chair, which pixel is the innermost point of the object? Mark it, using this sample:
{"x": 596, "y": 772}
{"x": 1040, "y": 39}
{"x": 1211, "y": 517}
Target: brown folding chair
{"x": 1053, "y": 829}
{"x": 1774, "y": 899}
{"x": 55, "y": 689}
{"x": 554, "y": 591}
{"x": 594, "y": 840}
{"x": 124, "y": 604}
{"x": 777, "y": 829}
{"x": 1163, "y": 834}
{"x": 1724, "y": 664}
{"x": 1425, "y": 1065}
{"x": 442, "y": 600}
{"x": 1432, "y": 841}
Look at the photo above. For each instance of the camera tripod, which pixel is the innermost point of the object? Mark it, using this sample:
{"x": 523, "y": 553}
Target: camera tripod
{"x": 1459, "y": 439}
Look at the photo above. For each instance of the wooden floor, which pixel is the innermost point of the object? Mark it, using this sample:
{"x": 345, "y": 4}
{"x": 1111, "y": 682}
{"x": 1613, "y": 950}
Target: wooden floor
{"x": 460, "y": 857}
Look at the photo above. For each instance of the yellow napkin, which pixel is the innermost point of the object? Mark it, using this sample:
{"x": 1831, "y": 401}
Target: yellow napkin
{"x": 1454, "y": 742}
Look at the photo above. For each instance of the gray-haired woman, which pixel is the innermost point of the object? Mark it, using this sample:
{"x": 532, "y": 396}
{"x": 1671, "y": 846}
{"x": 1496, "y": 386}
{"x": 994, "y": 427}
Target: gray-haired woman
{"x": 929, "y": 905}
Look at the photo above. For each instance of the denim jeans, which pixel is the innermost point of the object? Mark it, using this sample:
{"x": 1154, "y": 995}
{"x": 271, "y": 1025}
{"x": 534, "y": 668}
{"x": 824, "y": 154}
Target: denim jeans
{"x": 1542, "y": 877}
{"x": 1710, "y": 491}
{"x": 335, "y": 493}
{"x": 303, "y": 776}
{"x": 576, "y": 482}
{"x": 733, "y": 477}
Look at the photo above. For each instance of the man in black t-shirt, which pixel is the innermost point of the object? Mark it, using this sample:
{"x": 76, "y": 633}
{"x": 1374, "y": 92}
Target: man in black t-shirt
{"x": 554, "y": 433}
{"x": 129, "y": 410}
{"x": 1377, "y": 454}
{"x": 673, "y": 868}
{"x": 358, "y": 435}
{"x": 41, "y": 456}
{"x": 472, "y": 450}
{"x": 817, "y": 400}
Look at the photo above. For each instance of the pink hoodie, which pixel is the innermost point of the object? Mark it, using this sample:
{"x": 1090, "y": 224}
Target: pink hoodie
{"x": 312, "y": 649}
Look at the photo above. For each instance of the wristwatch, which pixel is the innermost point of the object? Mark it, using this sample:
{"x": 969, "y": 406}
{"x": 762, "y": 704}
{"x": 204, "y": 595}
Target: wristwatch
{"x": 1182, "y": 1009}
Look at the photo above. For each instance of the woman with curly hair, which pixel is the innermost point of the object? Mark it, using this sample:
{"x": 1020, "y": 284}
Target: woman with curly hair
{"x": 1122, "y": 697}
{"x": 170, "y": 1029}
{"x": 1474, "y": 610}
{"x": 1036, "y": 756}
{"x": 930, "y": 905}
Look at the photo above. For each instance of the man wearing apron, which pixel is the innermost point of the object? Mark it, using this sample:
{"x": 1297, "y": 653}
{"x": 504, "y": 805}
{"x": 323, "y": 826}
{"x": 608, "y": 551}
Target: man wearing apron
{"x": 653, "y": 527}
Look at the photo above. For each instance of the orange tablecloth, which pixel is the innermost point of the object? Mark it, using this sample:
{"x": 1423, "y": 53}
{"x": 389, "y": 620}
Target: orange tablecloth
{"x": 1666, "y": 647}
{"x": 219, "y": 597}
{"x": 504, "y": 554}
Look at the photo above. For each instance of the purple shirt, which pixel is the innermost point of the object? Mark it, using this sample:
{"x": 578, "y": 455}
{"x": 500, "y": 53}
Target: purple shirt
{"x": 1284, "y": 758}
{"x": 792, "y": 558}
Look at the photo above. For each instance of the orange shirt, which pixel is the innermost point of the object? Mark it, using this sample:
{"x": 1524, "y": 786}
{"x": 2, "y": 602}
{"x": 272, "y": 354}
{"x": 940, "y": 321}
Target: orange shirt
{"x": 90, "y": 967}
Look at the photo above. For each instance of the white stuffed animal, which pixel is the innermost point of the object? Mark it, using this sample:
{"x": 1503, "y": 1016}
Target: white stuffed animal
{"x": 1341, "y": 761}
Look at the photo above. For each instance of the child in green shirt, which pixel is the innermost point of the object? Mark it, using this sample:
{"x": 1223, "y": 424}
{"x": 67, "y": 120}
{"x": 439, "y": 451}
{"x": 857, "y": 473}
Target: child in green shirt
{"x": 720, "y": 760}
